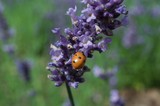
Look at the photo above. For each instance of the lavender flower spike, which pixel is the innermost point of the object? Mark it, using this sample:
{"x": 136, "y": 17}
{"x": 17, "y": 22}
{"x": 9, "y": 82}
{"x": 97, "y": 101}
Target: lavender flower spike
{"x": 100, "y": 17}
{"x": 115, "y": 98}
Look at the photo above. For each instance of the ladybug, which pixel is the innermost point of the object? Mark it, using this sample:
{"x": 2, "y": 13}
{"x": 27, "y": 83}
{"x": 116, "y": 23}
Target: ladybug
{"x": 78, "y": 60}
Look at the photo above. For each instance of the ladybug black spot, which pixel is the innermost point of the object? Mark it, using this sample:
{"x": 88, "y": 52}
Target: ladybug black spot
{"x": 73, "y": 61}
{"x": 79, "y": 57}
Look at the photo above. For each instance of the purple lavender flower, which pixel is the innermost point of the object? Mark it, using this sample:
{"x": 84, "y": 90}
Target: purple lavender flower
{"x": 99, "y": 17}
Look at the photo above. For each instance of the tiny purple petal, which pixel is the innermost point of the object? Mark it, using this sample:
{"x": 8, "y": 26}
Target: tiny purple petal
{"x": 103, "y": 44}
{"x": 74, "y": 84}
{"x": 72, "y": 11}
{"x": 56, "y": 30}
{"x": 121, "y": 10}
{"x": 58, "y": 83}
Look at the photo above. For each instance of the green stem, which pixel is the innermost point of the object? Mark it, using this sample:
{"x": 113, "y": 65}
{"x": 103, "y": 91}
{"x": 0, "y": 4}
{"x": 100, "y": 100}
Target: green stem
{"x": 70, "y": 94}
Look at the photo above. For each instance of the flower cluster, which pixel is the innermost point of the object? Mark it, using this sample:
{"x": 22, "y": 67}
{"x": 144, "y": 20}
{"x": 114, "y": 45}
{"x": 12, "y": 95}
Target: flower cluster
{"x": 99, "y": 17}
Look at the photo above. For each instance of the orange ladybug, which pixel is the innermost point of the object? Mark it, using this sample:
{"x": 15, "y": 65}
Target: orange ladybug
{"x": 78, "y": 60}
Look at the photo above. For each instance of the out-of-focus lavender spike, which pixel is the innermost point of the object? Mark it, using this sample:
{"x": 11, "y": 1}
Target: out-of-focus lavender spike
{"x": 155, "y": 11}
{"x": 111, "y": 77}
{"x": 60, "y": 13}
{"x": 5, "y": 34}
{"x": 115, "y": 99}
{"x": 23, "y": 66}
{"x": 138, "y": 9}
{"x": 131, "y": 37}
{"x": 5, "y": 31}
{"x": 10, "y": 49}
{"x": 97, "y": 71}
{"x": 24, "y": 69}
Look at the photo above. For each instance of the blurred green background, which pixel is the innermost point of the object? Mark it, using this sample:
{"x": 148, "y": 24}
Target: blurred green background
{"x": 134, "y": 49}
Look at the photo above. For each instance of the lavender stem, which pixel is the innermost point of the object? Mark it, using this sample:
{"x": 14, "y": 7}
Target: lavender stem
{"x": 69, "y": 94}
